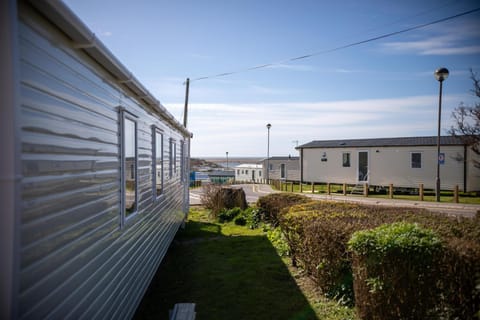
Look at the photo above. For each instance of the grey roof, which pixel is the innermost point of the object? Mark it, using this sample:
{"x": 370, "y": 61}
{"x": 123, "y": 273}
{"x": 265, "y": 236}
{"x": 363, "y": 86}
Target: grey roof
{"x": 282, "y": 158}
{"x": 383, "y": 142}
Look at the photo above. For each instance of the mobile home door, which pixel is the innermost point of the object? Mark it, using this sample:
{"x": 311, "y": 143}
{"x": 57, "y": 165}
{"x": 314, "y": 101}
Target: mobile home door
{"x": 362, "y": 166}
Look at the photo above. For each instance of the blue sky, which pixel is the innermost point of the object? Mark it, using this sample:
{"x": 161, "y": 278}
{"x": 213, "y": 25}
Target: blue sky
{"x": 382, "y": 88}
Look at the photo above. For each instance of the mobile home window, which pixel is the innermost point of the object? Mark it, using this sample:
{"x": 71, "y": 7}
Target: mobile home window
{"x": 157, "y": 162}
{"x": 346, "y": 159}
{"x": 182, "y": 161}
{"x": 173, "y": 158}
{"x": 282, "y": 171}
{"x": 129, "y": 166}
{"x": 416, "y": 160}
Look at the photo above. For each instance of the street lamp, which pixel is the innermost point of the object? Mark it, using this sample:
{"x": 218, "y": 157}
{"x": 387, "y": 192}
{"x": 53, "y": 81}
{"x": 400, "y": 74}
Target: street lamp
{"x": 268, "y": 152}
{"x": 440, "y": 74}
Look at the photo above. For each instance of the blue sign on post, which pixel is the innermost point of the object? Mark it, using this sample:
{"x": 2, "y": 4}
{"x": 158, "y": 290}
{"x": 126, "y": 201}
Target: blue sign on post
{"x": 441, "y": 158}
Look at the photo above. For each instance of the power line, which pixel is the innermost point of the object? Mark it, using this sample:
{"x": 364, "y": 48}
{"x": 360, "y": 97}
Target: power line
{"x": 353, "y": 44}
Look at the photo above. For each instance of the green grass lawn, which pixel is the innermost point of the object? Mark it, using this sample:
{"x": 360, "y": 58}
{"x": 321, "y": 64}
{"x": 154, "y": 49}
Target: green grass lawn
{"x": 232, "y": 272}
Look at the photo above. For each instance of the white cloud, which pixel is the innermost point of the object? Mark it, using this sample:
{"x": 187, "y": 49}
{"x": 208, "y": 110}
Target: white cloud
{"x": 433, "y": 46}
{"x": 240, "y": 128}
{"x": 459, "y": 38}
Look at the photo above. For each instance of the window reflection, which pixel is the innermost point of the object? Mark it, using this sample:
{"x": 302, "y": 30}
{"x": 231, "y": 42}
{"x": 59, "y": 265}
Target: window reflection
{"x": 130, "y": 143}
{"x": 158, "y": 163}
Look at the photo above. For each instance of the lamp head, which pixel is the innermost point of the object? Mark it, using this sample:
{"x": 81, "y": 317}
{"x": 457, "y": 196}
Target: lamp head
{"x": 441, "y": 74}
{"x": 269, "y": 126}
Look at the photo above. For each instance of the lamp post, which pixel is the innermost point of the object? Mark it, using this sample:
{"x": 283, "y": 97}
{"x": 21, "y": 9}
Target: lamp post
{"x": 268, "y": 152}
{"x": 440, "y": 74}
{"x": 227, "y": 158}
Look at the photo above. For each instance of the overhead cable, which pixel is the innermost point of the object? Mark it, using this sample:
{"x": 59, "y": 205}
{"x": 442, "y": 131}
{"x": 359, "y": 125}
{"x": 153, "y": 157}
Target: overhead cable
{"x": 306, "y": 56}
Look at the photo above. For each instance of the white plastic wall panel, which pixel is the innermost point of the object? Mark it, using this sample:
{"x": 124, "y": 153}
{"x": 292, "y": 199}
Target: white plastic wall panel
{"x": 75, "y": 261}
{"x": 387, "y": 165}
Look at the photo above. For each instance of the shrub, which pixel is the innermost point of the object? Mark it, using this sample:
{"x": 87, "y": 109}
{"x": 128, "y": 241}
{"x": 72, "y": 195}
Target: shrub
{"x": 227, "y": 215}
{"x": 240, "y": 221}
{"x": 277, "y": 239}
{"x": 317, "y": 234}
{"x": 395, "y": 268}
{"x": 459, "y": 283}
{"x": 271, "y": 206}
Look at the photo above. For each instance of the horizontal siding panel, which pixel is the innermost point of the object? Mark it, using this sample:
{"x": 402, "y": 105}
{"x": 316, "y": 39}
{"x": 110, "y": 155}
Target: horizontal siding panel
{"x": 94, "y": 289}
{"x": 60, "y": 66}
{"x": 38, "y": 186}
{"x": 55, "y": 204}
{"x": 70, "y": 273}
{"x": 41, "y": 122}
{"x": 34, "y": 79}
{"x": 111, "y": 289}
{"x": 34, "y": 165}
{"x": 45, "y": 143}
{"x": 60, "y": 232}
{"x": 41, "y": 101}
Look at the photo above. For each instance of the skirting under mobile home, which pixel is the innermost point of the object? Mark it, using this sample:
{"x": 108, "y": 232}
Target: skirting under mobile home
{"x": 93, "y": 171}
{"x": 403, "y": 162}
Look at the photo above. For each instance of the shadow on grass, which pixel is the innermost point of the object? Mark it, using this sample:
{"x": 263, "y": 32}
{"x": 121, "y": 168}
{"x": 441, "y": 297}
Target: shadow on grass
{"x": 228, "y": 277}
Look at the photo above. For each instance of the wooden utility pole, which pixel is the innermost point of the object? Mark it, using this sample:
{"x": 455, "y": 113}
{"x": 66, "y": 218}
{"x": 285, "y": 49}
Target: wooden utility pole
{"x": 185, "y": 110}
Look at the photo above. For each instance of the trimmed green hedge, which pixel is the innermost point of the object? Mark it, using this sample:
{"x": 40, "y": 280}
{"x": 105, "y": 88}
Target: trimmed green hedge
{"x": 271, "y": 206}
{"x": 395, "y": 269}
{"x": 318, "y": 232}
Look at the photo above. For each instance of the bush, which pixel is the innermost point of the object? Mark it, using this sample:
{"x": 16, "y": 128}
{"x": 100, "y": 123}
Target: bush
{"x": 395, "y": 268}
{"x": 227, "y": 215}
{"x": 460, "y": 280}
{"x": 272, "y": 205}
{"x": 317, "y": 233}
{"x": 240, "y": 221}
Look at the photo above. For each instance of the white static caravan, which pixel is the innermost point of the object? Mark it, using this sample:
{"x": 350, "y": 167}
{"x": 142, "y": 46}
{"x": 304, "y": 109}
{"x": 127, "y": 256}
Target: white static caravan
{"x": 283, "y": 168}
{"x": 249, "y": 173}
{"x": 93, "y": 171}
{"x": 403, "y": 162}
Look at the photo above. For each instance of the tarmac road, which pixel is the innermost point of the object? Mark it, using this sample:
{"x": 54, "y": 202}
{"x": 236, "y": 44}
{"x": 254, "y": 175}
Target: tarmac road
{"x": 255, "y": 191}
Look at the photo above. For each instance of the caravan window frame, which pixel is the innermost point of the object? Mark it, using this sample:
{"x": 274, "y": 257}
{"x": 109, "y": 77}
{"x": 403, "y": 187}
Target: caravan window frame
{"x": 124, "y": 117}
{"x": 418, "y": 164}
{"x": 156, "y": 134}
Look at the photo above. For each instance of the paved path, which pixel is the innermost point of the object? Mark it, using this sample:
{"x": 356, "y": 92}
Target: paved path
{"x": 254, "y": 191}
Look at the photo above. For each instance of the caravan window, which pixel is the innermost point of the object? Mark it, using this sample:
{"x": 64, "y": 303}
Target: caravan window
{"x": 182, "y": 161}
{"x": 157, "y": 162}
{"x": 416, "y": 160}
{"x": 129, "y": 165}
{"x": 173, "y": 158}
{"x": 282, "y": 171}
{"x": 346, "y": 159}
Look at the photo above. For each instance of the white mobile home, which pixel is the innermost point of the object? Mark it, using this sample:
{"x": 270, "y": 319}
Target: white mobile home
{"x": 93, "y": 171}
{"x": 249, "y": 173}
{"x": 282, "y": 168}
{"x": 403, "y": 162}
